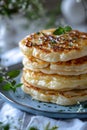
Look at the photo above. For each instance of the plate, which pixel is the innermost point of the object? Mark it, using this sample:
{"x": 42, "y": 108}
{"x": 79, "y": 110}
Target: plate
{"x": 25, "y": 102}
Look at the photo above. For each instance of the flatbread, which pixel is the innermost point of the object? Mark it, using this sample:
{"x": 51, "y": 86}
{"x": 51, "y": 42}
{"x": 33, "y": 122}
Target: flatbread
{"x": 55, "y": 81}
{"x": 61, "y": 98}
{"x": 53, "y": 48}
{"x": 72, "y": 67}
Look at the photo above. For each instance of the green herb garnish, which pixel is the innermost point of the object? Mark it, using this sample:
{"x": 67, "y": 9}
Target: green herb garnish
{"x": 47, "y": 127}
{"x": 33, "y": 128}
{"x": 9, "y": 123}
{"x": 67, "y": 28}
{"x": 62, "y": 30}
{"x": 13, "y": 73}
{"x": 6, "y": 127}
{"x": 37, "y": 33}
{"x": 8, "y": 79}
{"x": 1, "y": 79}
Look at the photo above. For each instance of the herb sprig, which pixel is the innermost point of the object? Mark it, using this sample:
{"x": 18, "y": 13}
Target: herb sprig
{"x": 33, "y": 128}
{"x": 47, "y": 127}
{"x": 62, "y": 30}
{"x": 9, "y": 123}
{"x": 4, "y": 126}
{"x": 8, "y": 79}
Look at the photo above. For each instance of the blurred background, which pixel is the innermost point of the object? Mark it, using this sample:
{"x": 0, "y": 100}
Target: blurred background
{"x": 19, "y": 18}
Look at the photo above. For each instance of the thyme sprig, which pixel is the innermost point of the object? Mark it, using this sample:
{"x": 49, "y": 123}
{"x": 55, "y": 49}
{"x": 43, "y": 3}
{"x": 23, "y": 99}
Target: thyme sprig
{"x": 8, "y": 79}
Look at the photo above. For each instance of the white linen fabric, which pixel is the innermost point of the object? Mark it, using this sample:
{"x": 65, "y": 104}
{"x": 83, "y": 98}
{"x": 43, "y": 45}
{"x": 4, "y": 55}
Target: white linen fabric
{"x": 20, "y": 120}
{"x": 41, "y": 123}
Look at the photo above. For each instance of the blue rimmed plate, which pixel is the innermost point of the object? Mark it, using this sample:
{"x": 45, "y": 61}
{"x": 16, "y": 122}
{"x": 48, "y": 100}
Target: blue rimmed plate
{"x": 24, "y": 102}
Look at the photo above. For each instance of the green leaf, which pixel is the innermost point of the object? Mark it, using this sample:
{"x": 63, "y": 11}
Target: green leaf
{"x": 54, "y": 128}
{"x": 60, "y": 30}
{"x": 47, "y": 126}
{"x": 1, "y": 79}
{"x": 9, "y": 81}
{"x": 33, "y": 128}
{"x": 18, "y": 85}
{"x": 13, "y": 82}
{"x": 6, "y": 127}
{"x": 67, "y": 28}
{"x": 13, "y": 89}
{"x": 13, "y": 73}
{"x": 7, "y": 87}
{"x": 37, "y": 33}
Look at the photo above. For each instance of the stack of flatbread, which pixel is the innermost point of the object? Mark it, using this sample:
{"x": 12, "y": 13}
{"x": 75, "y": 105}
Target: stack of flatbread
{"x": 55, "y": 66}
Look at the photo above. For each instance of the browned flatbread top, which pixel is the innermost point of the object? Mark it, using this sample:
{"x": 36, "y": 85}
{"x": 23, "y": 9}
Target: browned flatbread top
{"x": 46, "y": 41}
{"x": 53, "y": 48}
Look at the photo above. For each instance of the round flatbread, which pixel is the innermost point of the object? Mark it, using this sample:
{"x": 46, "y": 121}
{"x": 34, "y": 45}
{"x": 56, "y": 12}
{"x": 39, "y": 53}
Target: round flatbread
{"x": 53, "y": 48}
{"x": 55, "y": 81}
{"x": 61, "y": 98}
{"x": 72, "y": 67}
{"x": 32, "y": 62}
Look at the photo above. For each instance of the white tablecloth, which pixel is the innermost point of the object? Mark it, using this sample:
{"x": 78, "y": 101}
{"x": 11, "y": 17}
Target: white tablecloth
{"x": 20, "y": 120}
{"x": 41, "y": 123}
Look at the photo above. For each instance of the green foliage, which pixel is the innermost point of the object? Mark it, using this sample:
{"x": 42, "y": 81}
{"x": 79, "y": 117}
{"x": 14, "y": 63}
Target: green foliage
{"x": 33, "y": 128}
{"x": 13, "y": 73}
{"x": 61, "y": 30}
{"x": 47, "y": 127}
{"x": 4, "y": 126}
{"x": 13, "y": 82}
{"x": 67, "y": 28}
{"x": 7, "y": 86}
{"x": 1, "y": 79}
{"x": 31, "y": 9}
{"x": 24, "y": 7}
{"x": 8, "y": 80}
